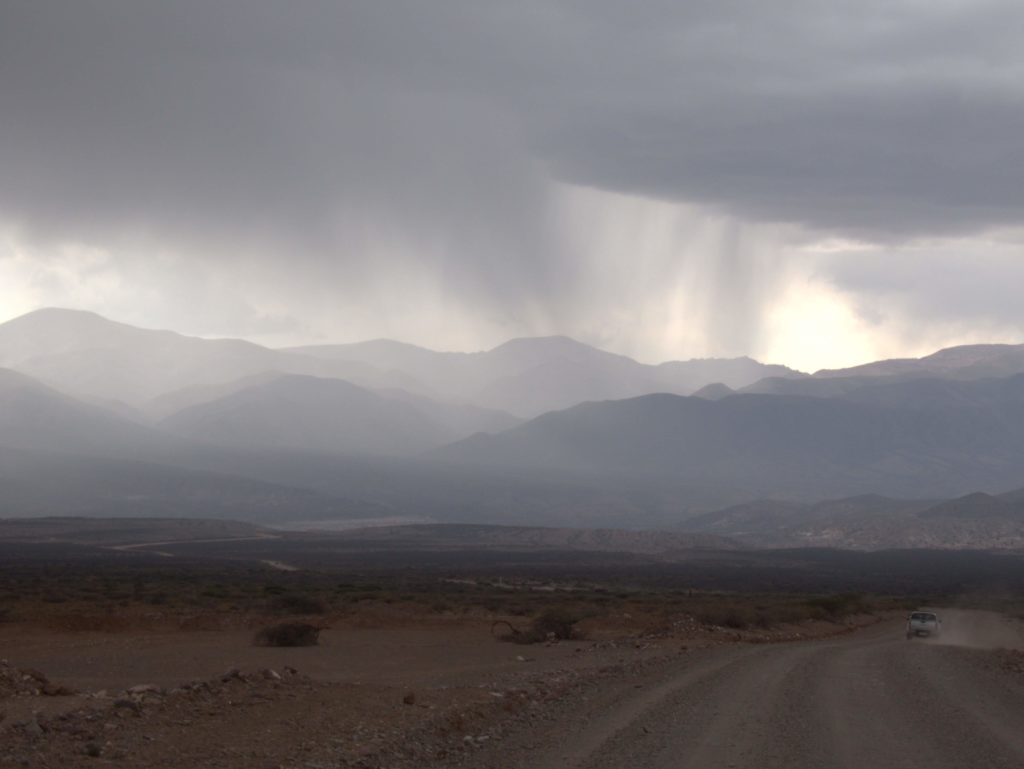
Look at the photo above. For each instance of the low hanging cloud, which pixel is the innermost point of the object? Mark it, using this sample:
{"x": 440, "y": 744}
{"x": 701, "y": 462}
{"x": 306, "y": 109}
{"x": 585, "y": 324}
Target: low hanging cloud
{"x": 333, "y": 153}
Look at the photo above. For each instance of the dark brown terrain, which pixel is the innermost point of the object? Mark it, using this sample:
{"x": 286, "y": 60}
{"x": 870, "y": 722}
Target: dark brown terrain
{"x": 132, "y": 643}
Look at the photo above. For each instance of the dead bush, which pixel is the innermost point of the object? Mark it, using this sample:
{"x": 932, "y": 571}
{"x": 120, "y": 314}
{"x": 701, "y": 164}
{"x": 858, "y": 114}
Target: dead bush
{"x": 551, "y": 625}
{"x": 557, "y": 623}
{"x": 288, "y": 634}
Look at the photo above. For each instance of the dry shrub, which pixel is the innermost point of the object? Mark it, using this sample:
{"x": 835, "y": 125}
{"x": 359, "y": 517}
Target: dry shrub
{"x": 557, "y": 623}
{"x": 551, "y": 624}
{"x": 730, "y": 615}
{"x": 834, "y": 607}
{"x": 288, "y": 634}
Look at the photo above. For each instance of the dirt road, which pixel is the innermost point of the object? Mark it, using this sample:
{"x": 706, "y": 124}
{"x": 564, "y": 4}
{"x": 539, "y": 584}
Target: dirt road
{"x": 870, "y": 699}
{"x": 408, "y": 698}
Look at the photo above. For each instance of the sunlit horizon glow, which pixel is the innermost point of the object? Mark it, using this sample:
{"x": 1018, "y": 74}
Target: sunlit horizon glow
{"x": 644, "y": 278}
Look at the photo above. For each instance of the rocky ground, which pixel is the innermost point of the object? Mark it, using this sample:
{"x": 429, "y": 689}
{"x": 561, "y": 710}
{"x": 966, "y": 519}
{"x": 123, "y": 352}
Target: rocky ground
{"x": 864, "y": 699}
{"x": 1012, "y": 661}
{"x": 278, "y": 717}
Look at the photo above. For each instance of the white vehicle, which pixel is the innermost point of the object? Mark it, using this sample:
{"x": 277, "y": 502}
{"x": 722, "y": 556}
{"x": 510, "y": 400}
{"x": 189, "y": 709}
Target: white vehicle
{"x": 923, "y": 623}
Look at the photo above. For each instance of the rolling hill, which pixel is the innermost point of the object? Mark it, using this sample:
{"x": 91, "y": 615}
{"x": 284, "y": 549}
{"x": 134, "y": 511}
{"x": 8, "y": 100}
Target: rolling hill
{"x": 38, "y": 418}
{"x": 974, "y": 521}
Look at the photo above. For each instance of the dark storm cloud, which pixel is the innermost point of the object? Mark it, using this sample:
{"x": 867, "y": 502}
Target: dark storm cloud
{"x": 873, "y": 119}
{"x": 280, "y": 120}
{"x": 391, "y": 166}
{"x": 248, "y": 129}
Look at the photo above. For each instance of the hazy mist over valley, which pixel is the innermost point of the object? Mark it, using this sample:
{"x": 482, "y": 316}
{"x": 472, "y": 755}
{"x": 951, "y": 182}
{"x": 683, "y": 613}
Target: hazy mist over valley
{"x": 100, "y": 417}
{"x": 389, "y": 384}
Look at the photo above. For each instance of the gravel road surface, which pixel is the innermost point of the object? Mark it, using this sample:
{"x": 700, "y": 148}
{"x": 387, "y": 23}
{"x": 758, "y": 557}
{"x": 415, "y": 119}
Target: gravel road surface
{"x": 868, "y": 700}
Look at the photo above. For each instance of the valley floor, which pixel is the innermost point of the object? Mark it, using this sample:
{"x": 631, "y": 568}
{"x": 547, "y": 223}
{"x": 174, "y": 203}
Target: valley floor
{"x": 392, "y": 694}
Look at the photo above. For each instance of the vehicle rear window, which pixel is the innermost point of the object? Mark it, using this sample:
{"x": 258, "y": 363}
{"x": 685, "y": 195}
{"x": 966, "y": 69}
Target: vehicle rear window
{"x": 922, "y": 616}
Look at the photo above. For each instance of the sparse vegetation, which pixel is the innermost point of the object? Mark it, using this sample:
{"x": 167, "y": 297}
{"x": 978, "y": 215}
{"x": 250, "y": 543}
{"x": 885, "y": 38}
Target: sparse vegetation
{"x": 740, "y": 613}
{"x": 559, "y": 623}
{"x": 288, "y": 634}
{"x": 554, "y": 624}
{"x": 535, "y": 599}
{"x": 837, "y": 606}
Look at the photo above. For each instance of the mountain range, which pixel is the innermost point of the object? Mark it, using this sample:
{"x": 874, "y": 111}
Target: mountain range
{"x": 902, "y": 439}
{"x": 528, "y": 377}
{"x": 90, "y": 357}
{"x": 872, "y": 522}
{"x": 102, "y": 418}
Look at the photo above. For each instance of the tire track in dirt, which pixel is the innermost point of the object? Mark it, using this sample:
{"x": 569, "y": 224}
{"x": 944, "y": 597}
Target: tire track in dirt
{"x": 869, "y": 699}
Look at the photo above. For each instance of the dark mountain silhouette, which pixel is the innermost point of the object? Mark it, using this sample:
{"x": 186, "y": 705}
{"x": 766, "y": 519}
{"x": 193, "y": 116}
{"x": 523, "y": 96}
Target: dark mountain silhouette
{"x": 1003, "y": 395}
{"x": 910, "y": 392}
{"x": 788, "y": 446}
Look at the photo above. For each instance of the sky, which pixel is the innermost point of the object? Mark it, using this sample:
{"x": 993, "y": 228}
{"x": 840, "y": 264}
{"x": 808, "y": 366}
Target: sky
{"x": 807, "y": 182}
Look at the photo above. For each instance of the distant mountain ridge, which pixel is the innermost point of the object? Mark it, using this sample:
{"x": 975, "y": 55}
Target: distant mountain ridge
{"x": 973, "y": 361}
{"x": 531, "y": 376}
{"x": 775, "y": 445}
{"x": 101, "y": 418}
{"x": 965, "y": 363}
{"x": 974, "y": 521}
{"x": 85, "y": 355}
